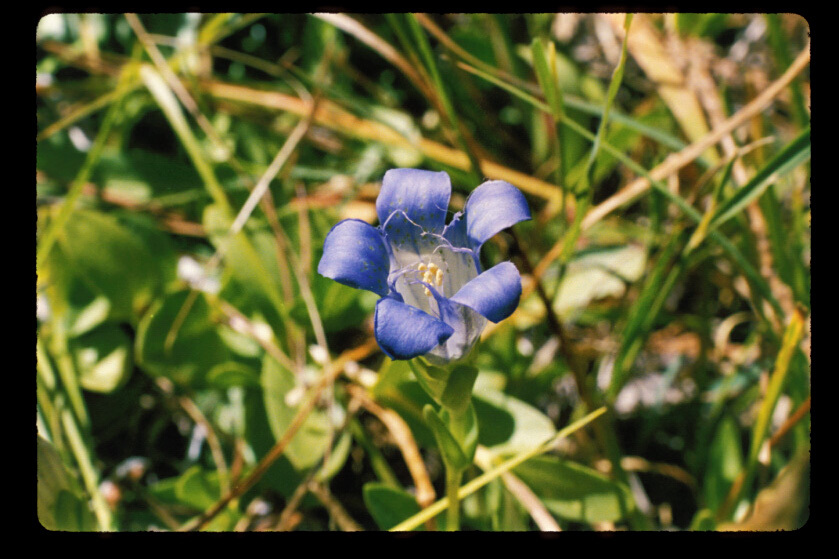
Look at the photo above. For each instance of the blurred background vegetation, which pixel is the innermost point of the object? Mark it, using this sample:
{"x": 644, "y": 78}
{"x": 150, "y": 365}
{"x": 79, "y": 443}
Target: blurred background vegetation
{"x": 195, "y": 372}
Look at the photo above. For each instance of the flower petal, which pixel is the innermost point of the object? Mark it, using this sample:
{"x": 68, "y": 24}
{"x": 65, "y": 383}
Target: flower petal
{"x": 493, "y": 206}
{"x": 404, "y": 332}
{"x": 355, "y": 254}
{"x": 455, "y": 234}
{"x": 494, "y": 294}
{"x": 422, "y": 195}
{"x": 466, "y": 323}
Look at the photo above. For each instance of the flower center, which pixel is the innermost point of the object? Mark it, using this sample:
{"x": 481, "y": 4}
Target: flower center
{"x": 431, "y": 274}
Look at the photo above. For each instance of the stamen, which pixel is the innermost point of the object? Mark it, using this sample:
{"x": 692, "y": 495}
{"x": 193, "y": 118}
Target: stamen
{"x": 432, "y": 274}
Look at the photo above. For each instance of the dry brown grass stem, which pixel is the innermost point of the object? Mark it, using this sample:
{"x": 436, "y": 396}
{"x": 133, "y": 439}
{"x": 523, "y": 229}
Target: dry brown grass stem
{"x": 332, "y": 116}
{"x": 791, "y": 421}
{"x": 213, "y": 442}
{"x": 677, "y": 161}
{"x": 674, "y": 163}
{"x": 194, "y": 413}
{"x": 404, "y": 440}
{"x": 289, "y": 517}
{"x": 174, "y": 83}
{"x": 523, "y": 494}
{"x": 330, "y": 373}
{"x": 708, "y": 94}
{"x": 336, "y": 510}
{"x": 240, "y": 323}
{"x": 639, "y": 464}
{"x": 385, "y": 49}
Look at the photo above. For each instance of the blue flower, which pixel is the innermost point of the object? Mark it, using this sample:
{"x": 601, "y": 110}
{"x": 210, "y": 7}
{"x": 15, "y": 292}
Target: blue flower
{"x": 436, "y": 298}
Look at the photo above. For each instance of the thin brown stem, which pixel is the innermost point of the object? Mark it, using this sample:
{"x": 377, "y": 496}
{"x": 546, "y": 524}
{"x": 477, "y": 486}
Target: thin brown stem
{"x": 404, "y": 440}
{"x": 329, "y": 376}
{"x": 676, "y": 161}
{"x": 288, "y": 513}
{"x": 336, "y": 510}
{"x": 791, "y": 421}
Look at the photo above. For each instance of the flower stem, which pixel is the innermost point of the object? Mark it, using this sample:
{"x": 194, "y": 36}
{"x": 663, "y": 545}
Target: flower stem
{"x": 453, "y": 477}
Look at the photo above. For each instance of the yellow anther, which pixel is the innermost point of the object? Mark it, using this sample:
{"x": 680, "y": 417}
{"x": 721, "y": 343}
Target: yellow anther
{"x": 431, "y": 274}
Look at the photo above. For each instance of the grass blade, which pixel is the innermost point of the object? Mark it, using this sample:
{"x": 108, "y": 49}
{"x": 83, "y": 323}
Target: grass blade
{"x": 506, "y": 466}
{"x": 793, "y": 154}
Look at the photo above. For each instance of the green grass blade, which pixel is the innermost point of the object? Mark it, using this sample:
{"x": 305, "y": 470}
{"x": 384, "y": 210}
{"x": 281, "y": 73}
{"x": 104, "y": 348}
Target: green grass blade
{"x": 793, "y": 154}
{"x": 168, "y": 103}
{"x": 506, "y": 466}
{"x": 792, "y": 335}
{"x": 779, "y": 43}
{"x": 546, "y": 76}
{"x": 614, "y": 85}
{"x": 734, "y": 253}
{"x": 574, "y": 102}
{"x": 57, "y": 224}
{"x": 643, "y": 313}
{"x": 544, "y": 64}
{"x": 443, "y": 93}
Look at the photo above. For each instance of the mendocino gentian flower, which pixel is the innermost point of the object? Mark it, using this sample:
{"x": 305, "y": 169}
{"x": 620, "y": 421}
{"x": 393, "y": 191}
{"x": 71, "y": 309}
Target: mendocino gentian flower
{"x": 435, "y": 296}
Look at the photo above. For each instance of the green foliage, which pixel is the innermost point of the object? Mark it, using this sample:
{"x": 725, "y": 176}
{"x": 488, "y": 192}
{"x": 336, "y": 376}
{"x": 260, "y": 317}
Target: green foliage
{"x": 575, "y": 492}
{"x": 389, "y": 506}
{"x": 61, "y": 504}
{"x": 313, "y": 440}
{"x": 195, "y": 376}
{"x": 176, "y": 339}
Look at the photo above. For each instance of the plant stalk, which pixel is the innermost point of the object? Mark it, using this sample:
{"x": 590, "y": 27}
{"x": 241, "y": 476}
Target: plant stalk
{"x": 453, "y": 478}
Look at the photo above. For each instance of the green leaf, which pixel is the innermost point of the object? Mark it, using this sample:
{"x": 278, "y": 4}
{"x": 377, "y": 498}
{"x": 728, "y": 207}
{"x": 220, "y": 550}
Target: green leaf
{"x": 281, "y": 477}
{"x": 725, "y": 461}
{"x": 340, "y": 307}
{"x": 793, "y": 154}
{"x": 232, "y": 373}
{"x": 432, "y": 379}
{"x": 450, "y": 449}
{"x": 109, "y": 259}
{"x": 389, "y": 506}
{"x": 399, "y": 390}
{"x": 485, "y": 506}
{"x": 134, "y": 175}
{"x": 338, "y": 455}
{"x": 179, "y": 341}
{"x": 58, "y": 491}
{"x": 450, "y": 387}
{"x": 80, "y": 308}
{"x": 72, "y": 514}
{"x": 251, "y": 257}
{"x": 103, "y": 358}
{"x": 546, "y": 77}
{"x": 508, "y": 425}
{"x": 575, "y": 492}
{"x": 596, "y": 274}
{"x": 312, "y": 439}
{"x": 198, "y": 488}
{"x": 703, "y": 521}
{"x": 458, "y": 391}
{"x": 464, "y": 428}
